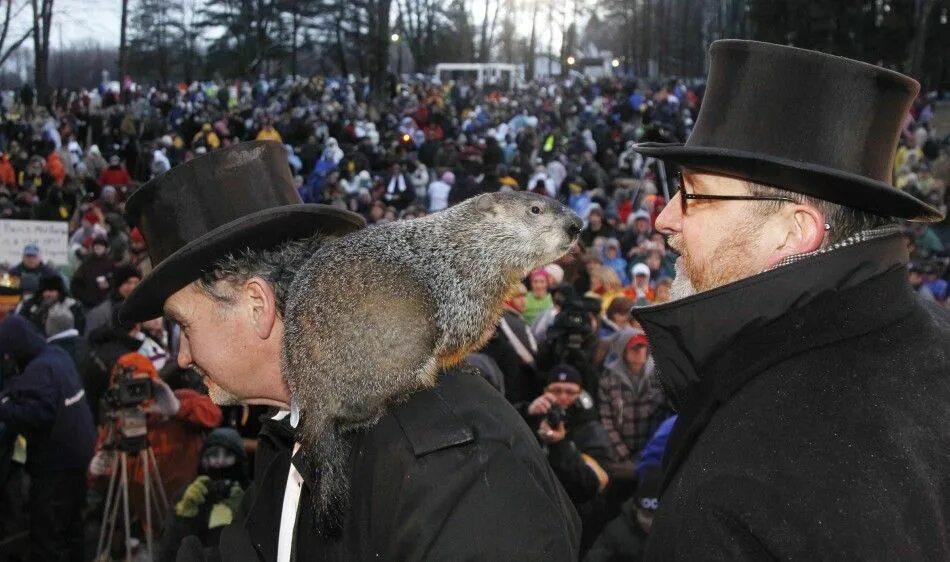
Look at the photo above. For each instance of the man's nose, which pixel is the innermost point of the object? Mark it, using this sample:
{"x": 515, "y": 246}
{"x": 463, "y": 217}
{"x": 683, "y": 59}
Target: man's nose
{"x": 670, "y": 220}
{"x": 184, "y": 352}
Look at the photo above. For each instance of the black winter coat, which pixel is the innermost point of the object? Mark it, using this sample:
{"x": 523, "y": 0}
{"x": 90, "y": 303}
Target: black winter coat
{"x": 452, "y": 473}
{"x": 814, "y": 401}
{"x": 45, "y": 402}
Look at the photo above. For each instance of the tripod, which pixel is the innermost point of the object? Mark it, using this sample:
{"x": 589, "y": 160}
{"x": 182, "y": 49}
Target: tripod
{"x": 118, "y": 493}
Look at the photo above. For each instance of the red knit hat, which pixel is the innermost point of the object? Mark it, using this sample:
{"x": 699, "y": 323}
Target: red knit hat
{"x": 637, "y": 339}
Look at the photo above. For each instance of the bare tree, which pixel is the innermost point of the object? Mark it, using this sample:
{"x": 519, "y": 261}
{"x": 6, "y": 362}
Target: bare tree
{"x": 123, "y": 46}
{"x": 922, "y": 13}
{"x": 42, "y": 24}
{"x": 8, "y": 16}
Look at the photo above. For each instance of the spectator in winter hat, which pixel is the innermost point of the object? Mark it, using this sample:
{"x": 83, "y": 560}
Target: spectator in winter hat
{"x": 641, "y": 284}
{"x": 31, "y": 269}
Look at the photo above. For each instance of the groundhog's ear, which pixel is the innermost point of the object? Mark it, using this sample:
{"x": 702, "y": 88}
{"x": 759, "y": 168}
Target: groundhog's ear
{"x": 484, "y": 204}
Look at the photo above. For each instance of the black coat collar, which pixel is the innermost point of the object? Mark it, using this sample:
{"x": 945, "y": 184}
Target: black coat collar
{"x": 708, "y": 346}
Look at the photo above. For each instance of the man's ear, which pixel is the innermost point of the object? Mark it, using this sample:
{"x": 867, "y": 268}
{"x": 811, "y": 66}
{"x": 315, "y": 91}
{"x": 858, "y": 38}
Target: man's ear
{"x": 802, "y": 231}
{"x": 263, "y": 306}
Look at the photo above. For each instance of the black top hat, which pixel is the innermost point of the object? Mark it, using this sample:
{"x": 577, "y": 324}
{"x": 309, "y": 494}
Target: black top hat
{"x": 238, "y": 197}
{"x": 805, "y": 121}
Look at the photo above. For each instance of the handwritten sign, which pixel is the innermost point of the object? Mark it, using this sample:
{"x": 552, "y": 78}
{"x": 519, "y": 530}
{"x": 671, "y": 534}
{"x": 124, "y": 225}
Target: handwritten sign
{"x": 51, "y": 236}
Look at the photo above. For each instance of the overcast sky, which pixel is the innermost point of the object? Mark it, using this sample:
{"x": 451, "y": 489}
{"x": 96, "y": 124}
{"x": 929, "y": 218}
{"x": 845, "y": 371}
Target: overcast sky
{"x": 79, "y": 21}
{"x": 98, "y": 20}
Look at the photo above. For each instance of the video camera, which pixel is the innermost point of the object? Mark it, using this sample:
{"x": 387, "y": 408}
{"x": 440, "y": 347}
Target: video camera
{"x": 121, "y": 403}
{"x": 219, "y": 490}
{"x": 572, "y": 326}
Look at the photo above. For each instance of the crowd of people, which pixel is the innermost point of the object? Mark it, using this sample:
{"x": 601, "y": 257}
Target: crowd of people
{"x": 565, "y": 354}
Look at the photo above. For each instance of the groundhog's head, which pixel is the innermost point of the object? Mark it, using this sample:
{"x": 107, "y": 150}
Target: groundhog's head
{"x": 533, "y": 230}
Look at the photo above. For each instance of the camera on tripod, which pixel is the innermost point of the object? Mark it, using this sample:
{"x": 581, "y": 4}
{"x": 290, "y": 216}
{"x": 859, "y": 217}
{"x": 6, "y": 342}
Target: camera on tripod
{"x": 571, "y": 329}
{"x": 121, "y": 403}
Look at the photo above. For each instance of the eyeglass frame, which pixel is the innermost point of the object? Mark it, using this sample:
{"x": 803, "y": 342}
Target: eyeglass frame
{"x": 684, "y": 195}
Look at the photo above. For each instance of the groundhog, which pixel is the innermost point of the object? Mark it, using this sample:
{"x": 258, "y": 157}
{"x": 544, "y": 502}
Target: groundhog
{"x": 376, "y": 314}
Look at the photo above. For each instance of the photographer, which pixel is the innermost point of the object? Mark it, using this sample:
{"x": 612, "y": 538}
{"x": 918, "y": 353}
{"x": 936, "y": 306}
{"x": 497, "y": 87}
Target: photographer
{"x": 577, "y": 444}
{"x": 176, "y": 420}
{"x": 209, "y": 502}
{"x": 572, "y": 340}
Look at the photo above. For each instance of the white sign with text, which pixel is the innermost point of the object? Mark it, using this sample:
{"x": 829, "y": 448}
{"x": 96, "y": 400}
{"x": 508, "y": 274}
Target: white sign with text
{"x": 51, "y": 236}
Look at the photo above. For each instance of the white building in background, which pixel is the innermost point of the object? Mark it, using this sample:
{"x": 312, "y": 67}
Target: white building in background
{"x": 593, "y": 62}
{"x": 589, "y": 61}
{"x": 547, "y": 64}
{"x": 506, "y": 76}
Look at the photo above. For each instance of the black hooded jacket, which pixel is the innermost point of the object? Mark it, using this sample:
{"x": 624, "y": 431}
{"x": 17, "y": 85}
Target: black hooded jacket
{"x": 46, "y": 401}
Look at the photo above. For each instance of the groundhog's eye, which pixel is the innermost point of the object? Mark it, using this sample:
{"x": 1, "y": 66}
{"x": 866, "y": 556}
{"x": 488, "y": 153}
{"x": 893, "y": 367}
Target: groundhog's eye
{"x": 535, "y": 209}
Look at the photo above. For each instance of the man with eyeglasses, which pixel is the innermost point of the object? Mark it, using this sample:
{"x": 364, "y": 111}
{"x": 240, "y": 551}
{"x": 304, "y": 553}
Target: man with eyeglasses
{"x": 812, "y": 383}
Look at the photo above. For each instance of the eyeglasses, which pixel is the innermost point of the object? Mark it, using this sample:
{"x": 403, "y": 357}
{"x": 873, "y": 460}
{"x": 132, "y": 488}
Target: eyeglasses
{"x": 680, "y": 187}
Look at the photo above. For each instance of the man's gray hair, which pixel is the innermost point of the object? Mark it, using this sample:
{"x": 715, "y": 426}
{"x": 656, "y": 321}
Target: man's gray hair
{"x": 844, "y": 221}
{"x": 276, "y": 265}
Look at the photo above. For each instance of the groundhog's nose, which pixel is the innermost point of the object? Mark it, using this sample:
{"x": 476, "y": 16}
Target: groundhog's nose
{"x": 574, "y": 226}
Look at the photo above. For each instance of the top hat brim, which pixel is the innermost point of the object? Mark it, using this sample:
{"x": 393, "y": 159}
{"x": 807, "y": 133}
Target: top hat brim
{"x": 261, "y": 230}
{"x": 828, "y": 184}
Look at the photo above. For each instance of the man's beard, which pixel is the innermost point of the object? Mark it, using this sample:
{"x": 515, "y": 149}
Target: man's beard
{"x": 217, "y": 394}
{"x": 727, "y": 262}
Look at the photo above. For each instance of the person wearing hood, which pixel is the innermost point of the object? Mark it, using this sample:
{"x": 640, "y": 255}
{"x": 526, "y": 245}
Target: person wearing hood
{"x": 630, "y": 406}
{"x": 208, "y": 503}
{"x": 614, "y": 260}
{"x": 332, "y": 151}
{"x": 540, "y": 179}
{"x": 51, "y": 294}
{"x": 46, "y": 403}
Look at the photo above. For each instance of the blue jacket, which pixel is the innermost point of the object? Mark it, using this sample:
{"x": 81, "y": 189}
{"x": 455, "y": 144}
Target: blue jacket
{"x": 652, "y": 454}
{"x": 46, "y": 402}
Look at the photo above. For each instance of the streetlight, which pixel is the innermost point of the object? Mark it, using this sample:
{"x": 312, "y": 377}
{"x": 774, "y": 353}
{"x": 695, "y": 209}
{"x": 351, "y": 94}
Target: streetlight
{"x": 615, "y": 63}
{"x": 570, "y": 60}
{"x": 395, "y": 39}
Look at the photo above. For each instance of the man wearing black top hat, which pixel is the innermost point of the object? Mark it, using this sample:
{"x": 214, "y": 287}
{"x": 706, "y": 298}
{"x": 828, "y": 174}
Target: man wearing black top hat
{"x": 811, "y": 381}
{"x": 227, "y": 234}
